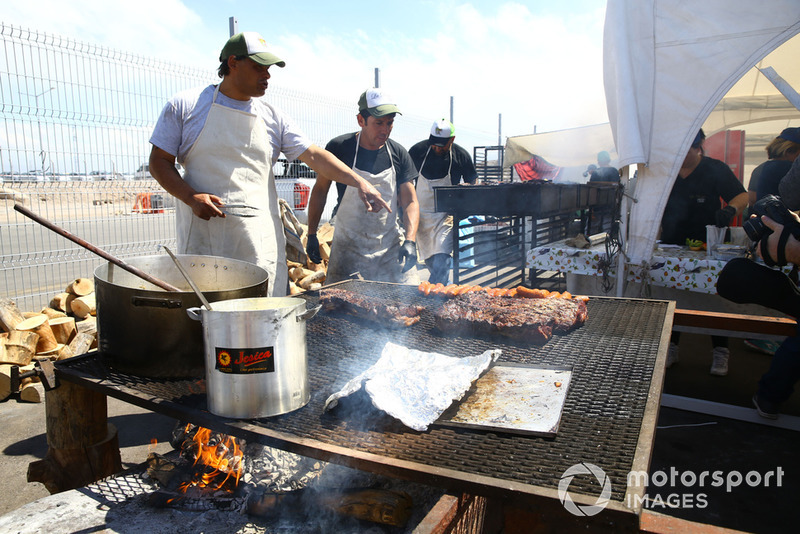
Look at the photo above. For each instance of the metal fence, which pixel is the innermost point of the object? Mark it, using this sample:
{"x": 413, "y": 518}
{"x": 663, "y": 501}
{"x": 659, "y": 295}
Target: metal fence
{"x": 75, "y": 119}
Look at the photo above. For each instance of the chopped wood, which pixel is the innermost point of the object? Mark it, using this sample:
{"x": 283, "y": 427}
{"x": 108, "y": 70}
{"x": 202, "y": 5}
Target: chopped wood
{"x": 81, "y": 343}
{"x": 52, "y": 313}
{"x": 80, "y": 287}
{"x": 87, "y": 326}
{"x": 317, "y": 277}
{"x": 32, "y": 392}
{"x": 84, "y": 306}
{"x": 298, "y": 273}
{"x": 63, "y": 328}
{"x": 65, "y": 353}
{"x": 38, "y": 324}
{"x": 20, "y": 347}
{"x": 292, "y": 264}
{"x": 5, "y": 381}
{"x": 315, "y": 286}
{"x": 60, "y": 302}
{"x": 325, "y": 251}
{"x": 50, "y": 354}
{"x": 294, "y": 290}
{"x": 28, "y": 315}
{"x": 10, "y": 315}
{"x": 325, "y": 233}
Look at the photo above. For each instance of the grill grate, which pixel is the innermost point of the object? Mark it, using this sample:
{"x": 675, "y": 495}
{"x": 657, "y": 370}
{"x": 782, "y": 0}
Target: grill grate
{"x": 612, "y": 356}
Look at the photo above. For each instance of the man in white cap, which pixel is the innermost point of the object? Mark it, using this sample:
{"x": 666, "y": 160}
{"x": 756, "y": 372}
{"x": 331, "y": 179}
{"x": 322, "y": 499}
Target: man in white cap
{"x": 228, "y": 138}
{"x": 440, "y": 162}
{"x": 372, "y": 245}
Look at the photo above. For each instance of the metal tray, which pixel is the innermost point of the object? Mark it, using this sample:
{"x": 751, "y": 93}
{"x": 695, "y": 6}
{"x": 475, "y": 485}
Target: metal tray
{"x": 515, "y": 398}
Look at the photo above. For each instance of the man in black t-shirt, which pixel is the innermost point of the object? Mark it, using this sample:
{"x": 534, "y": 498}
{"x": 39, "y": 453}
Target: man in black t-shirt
{"x": 692, "y": 205}
{"x": 440, "y": 162}
{"x": 368, "y": 243}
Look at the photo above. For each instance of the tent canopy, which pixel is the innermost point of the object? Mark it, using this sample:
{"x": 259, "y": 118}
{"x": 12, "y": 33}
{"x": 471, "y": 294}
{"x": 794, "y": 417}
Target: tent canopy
{"x": 667, "y": 66}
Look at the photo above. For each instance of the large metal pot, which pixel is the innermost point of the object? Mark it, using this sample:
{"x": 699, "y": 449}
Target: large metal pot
{"x": 144, "y": 330}
{"x": 256, "y": 362}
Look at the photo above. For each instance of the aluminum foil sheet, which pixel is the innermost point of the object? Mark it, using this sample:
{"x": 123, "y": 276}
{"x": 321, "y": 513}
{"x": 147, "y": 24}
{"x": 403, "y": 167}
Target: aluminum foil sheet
{"x": 414, "y": 386}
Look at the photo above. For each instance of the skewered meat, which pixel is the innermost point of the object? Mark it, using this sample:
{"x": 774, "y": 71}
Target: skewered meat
{"x": 532, "y": 320}
{"x": 371, "y": 308}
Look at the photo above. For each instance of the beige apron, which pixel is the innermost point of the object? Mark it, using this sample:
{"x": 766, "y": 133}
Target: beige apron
{"x": 232, "y": 158}
{"x": 366, "y": 242}
{"x": 433, "y": 233}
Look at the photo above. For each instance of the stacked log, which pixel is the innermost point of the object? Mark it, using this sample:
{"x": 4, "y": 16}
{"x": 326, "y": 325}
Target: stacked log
{"x": 310, "y": 276}
{"x": 65, "y": 328}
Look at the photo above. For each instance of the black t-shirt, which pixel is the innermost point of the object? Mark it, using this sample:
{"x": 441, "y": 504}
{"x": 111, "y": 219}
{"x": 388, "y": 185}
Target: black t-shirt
{"x": 769, "y": 179}
{"x": 436, "y": 166}
{"x": 694, "y": 200}
{"x": 605, "y": 174}
{"x": 372, "y": 161}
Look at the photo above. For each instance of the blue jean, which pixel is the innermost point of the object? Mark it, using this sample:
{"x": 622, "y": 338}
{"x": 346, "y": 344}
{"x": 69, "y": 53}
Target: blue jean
{"x": 778, "y": 382}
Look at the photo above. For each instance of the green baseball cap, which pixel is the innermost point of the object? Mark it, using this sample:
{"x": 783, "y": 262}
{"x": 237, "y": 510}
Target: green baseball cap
{"x": 441, "y": 132}
{"x": 377, "y": 103}
{"x": 252, "y": 45}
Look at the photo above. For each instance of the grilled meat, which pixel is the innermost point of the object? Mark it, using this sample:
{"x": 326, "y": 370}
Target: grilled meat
{"x": 371, "y": 308}
{"x": 532, "y": 320}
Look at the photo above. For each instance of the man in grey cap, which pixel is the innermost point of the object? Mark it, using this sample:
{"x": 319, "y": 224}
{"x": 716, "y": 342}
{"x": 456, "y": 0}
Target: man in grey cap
{"x": 440, "y": 162}
{"x": 228, "y": 138}
{"x": 371, "y": 244}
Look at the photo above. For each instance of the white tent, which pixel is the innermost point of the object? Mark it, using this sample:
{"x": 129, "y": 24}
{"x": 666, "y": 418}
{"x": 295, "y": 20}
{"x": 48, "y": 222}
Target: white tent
{"x": 667, "y": 66}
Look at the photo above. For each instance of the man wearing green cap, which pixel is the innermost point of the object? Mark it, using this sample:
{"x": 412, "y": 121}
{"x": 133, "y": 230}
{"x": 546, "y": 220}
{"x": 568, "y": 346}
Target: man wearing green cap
{"x": 370, "y": 244}
{"x": 228, "y": 138}
{"x": 440, "y": 162}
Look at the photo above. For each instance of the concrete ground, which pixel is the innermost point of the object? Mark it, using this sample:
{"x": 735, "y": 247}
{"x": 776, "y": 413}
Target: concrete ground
{"x": 685, "y": 442}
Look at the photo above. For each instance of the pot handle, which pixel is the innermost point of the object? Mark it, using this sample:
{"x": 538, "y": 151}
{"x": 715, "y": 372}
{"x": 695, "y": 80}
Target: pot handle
{"x": 308, "y": 314}
{"x": 193, "y": 313}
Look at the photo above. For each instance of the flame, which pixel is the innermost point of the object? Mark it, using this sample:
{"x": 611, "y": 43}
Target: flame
{"x": 219, "y": 460}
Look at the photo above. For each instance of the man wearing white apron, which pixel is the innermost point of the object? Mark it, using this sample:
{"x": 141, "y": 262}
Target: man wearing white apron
{"x": 440, "y": 162}
{"x": 370, "y": 245}
{"x": 228, "y": 140}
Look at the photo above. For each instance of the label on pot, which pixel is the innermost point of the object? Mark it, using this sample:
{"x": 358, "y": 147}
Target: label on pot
{"x": 245, "y": 361}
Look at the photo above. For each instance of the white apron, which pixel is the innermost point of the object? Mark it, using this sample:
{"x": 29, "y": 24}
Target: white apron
{"x": 367, "y": 242}
{"x": 232, "y": 158}
{"x": 433, "y": 233}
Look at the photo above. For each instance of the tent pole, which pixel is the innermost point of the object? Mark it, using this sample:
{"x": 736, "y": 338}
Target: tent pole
{"x": 623, "y": 236}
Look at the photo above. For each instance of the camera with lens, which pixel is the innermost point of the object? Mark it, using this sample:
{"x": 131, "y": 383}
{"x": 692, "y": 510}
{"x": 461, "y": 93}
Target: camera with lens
{"x": 775, "y": 209}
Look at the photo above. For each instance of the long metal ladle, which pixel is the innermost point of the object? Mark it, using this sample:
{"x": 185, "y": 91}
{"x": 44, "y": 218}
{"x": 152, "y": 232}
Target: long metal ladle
{"x": 187, "y": 277}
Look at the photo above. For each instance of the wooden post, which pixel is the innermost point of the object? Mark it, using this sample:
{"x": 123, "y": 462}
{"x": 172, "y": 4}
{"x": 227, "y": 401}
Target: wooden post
{"x": 83, "y": 445}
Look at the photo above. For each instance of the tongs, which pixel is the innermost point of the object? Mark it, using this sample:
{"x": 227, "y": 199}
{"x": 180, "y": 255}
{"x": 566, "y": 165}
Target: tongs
{"x": 239, "y": 210}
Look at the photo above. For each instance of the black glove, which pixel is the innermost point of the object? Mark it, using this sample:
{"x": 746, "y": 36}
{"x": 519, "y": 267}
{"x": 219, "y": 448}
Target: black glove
{"x": 723, "y": 217}
{"x": 408, "y": 253}
{"x": 312, "y": 248}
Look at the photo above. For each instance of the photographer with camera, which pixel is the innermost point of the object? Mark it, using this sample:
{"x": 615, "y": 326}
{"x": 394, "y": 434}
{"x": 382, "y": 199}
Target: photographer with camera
{"x": 692, "y": 205}
{"x": 775, "y": 232}
{"x": 778, "y": 244}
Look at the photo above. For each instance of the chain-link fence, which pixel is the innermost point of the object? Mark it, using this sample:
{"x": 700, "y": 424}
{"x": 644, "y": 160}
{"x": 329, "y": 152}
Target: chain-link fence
{"x": 76, "y": 120}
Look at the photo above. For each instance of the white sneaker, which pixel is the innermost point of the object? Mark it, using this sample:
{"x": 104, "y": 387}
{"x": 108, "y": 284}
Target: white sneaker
{"x": 672, "y": 354}
{"x": 719, "y": 364}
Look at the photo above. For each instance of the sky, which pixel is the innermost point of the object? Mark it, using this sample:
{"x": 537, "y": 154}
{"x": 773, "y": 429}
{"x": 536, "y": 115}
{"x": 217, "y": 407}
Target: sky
{"x": 512, "y": 68}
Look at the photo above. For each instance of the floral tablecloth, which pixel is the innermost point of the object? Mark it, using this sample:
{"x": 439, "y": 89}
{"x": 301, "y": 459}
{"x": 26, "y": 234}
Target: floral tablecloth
{"x": 678, "y": 268}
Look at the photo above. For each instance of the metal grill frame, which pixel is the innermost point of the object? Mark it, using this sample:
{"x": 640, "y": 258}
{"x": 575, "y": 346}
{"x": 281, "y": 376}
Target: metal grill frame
{"x": 608, "y": 420}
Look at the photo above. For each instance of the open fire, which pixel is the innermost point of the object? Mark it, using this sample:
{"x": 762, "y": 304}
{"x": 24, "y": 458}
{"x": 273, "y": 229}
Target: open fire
{"x": 218, "y": 461}
{"x": 216, "y": 471}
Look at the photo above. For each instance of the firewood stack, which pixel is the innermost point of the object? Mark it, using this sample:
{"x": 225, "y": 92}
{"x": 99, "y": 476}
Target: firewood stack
{"x": 63, "y": 329}
{"x": 309, "y": 276}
